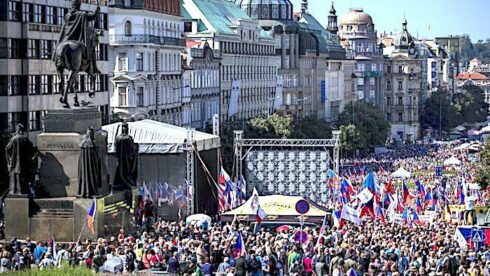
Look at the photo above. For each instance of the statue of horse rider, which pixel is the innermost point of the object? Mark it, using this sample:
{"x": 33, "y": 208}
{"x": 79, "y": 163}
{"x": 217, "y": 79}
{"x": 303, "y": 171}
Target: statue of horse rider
{"x": 75, "y": 50}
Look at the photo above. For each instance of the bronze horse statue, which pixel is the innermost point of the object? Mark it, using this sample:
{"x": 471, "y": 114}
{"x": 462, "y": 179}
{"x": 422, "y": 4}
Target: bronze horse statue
{"x": 71, "y": 58}
{"x": 75, "y": 51}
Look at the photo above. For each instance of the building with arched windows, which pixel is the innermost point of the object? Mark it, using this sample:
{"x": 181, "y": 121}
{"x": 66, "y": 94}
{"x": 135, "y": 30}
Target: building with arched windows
{"x": 248, "y": 71}
{"x": 145, "y": 54}
{"x": 358, "y": 36}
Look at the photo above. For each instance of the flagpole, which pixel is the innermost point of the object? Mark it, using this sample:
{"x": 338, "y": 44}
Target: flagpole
{"x": 80, "y": 235}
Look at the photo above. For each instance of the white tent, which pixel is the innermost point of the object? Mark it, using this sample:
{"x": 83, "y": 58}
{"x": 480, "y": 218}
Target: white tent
{"x": 452, "y": 161}
{"x": 463, "y": 146}
{"x": 401, "y": 173}
{"x": 157, "y": 137}
{"x": 198, "y": 219}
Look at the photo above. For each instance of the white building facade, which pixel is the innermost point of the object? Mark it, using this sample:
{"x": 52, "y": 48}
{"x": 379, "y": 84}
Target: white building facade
{"x": 29, "y": 31}
{"x": 248, "y": 55}
{"x": 145, "y": 54}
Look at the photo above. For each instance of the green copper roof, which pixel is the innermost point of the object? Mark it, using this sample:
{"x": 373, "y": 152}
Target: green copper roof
{"x": 184, "y": 13}
{"x": 221, "y": 14}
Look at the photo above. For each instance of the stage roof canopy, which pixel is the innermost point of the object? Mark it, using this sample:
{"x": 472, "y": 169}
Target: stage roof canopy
{"x": 159, "y": 138}
{"x": 277, "y": 207}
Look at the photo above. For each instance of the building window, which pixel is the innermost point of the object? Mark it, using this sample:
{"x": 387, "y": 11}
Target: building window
{"x": 34, "y": 84}
{"x": 140, "y": 97}
{"x": 34, "y": 120}
{"x": 37, "y": 14}
{"x": 139, "y": 61}
{"x": 388, "y": 116}
{"x": 34, "y": 49}
{"x": 17, "y": 48}
{"x": 27, "y": 12}
{"x": 127, "y": 28}
{"x": 400, "y": 117}
{"x": 61, "y": 16}
{"x": 15, "y": 85}
{"x": 45, "y": 49}
{"x": 434, "y": 64}
{"x": 122, "y": 62}
{"x": 372, "y": 81}
{"x": 4, "y": 85}
{"x": 400, "y": 85}
{"x": 433, "y": 74}
{"x": 400, "y": 100}
{"x": 50, "y": 16}
{"x": 360, "y": 81}
{"x": 15, "y": 11}
{"x": 46, "y": 84}
{"x": 388, "y": 85}
{"x": 372, "y": 94}
{"x": 400, "y": 69}
{"x": 388, "y": 100}
{"x": 122, "y": 96}
{"x": 388, "y": 69}
{"x": 373, "y": 67}
{"x": 4, "y": 49}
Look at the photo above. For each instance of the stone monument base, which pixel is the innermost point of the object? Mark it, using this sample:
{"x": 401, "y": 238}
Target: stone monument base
{"x": 59, "y": 150}
{"x": 65, "y": 218}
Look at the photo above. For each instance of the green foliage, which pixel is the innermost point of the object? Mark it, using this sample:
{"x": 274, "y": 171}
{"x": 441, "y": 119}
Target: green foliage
{"x": 272, "y": 127}
{"x": 483, "y": 175}
{"x": 469, "y": 50}
{"x": 438, "y": 105}
{"x": 65, "y": 270}
{"x": 466, "y": 107}
{"x": 311, "y": 128}
{"x": 351, "y": 139}
{"x": 369, "y": 122}
{"x": 470, "y": 105}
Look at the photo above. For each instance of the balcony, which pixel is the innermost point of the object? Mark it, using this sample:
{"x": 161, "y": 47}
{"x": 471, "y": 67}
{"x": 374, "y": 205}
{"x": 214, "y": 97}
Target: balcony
{"x": 198, "y": 53}
{"x": 136, "y": 39}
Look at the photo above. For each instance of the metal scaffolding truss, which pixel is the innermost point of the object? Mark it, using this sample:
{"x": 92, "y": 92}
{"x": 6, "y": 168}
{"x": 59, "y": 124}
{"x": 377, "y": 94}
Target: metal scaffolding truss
{"x": 241, "y": 143}
{"x": 287, "y": 142}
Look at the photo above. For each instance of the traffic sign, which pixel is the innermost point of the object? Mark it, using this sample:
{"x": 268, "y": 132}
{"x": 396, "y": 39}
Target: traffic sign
{"x": 302, "y": 206}
{"x": 477, "y": 236}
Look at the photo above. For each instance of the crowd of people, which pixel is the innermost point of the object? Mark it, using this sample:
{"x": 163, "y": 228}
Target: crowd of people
{"x": 371, "y": 248}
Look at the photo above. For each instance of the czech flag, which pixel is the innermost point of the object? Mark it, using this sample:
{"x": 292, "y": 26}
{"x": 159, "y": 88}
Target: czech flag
{"x": 379, "y": 214}
{"x": 389, "y": 188}
{"x": 370, "y": 182}
{"x": 91, "y": 216}
{"x": 346, "y": 186}
{"x": 368, "y": 208}
{"x": 418, "y": 205}
{"x": 259, "y": 212}
{"x": 239, "y": 246}
{"x": 429, "y": 200}
{"x": 406, "y": 217}
{"x": 337, "y": 220}
{"x": 416, "y": 219}
{"x": 406, "y": 193}
{"x": 420, "y": 188}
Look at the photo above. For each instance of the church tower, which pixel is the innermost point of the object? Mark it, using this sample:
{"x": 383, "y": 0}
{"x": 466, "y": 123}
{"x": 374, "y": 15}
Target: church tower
{"x": 332, "y": 26}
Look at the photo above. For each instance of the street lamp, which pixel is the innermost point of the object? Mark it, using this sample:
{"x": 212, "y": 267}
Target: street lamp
{"x": 302, "y": 99}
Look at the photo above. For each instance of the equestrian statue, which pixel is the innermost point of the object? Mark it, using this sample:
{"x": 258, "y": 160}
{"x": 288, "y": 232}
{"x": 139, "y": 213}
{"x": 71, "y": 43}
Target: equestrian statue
{"x": 75, "y": 50}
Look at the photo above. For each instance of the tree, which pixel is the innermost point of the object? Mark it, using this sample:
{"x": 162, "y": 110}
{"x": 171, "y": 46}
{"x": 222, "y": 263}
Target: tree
{"x": 437, "y": 109}
{"x": 483, "y": 174}
{"x": 272, "y": 127}
{"x": 351, "y": 139}
{"x": 470, "y": 105}
{"x": 369, "y": 122}
{"x": 311, "y": 128}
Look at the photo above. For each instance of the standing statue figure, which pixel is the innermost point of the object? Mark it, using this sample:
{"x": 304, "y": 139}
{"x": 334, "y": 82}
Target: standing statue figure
{"x": 127, "y": 159}
{"x": 89, "y": 166}
{"x": 75, "y": 50}
{"x": 19, "y": 153}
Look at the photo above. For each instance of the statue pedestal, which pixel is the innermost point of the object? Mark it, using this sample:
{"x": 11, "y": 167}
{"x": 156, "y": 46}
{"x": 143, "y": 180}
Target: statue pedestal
{"x": 16, "y": 217}
{"x": 65, "y": 218}
{"x": 72, "y": 120}
{"x": 59, "y": 151}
